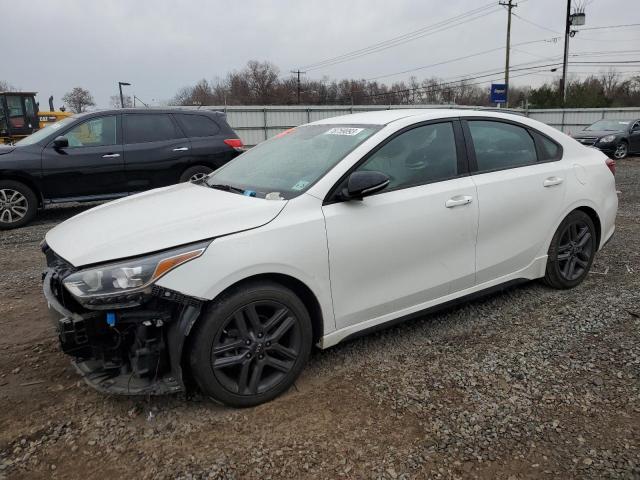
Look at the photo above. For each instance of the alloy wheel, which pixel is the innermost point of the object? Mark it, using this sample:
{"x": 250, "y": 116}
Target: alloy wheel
{"x": 621, "y": 151}
{"x": 256, "y": 348}
{"x": 196, "y": 177}
{"x": 575, "y": 250}
{"x": 13, "y": 205}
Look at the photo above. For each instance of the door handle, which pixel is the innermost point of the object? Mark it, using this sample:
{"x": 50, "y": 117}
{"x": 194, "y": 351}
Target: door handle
{"x": 181, "y": 149}
{"x": 458, "y": 200}
{"x": 111, "y": 155}
{"x": 551, "y": 181}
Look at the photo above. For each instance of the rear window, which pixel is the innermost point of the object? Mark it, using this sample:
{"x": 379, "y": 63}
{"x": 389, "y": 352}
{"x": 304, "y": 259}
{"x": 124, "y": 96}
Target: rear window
{"x": 198, "y": 125}
{"x": 143, "y": 128}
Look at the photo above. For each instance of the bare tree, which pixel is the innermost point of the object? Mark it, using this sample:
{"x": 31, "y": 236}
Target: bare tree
{"x": 610, "y": 82}
{"x": 6, "y": 86}
{"x": 114, "y": 101}
{"x": 78, "y": 99}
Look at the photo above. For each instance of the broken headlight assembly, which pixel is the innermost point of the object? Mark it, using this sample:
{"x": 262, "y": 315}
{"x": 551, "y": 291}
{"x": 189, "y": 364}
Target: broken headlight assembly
{"x": 127, "y": 283}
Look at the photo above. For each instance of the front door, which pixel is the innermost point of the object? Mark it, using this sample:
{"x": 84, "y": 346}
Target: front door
{"x": 91, "y": 166}
{"x": 413, "y": 242}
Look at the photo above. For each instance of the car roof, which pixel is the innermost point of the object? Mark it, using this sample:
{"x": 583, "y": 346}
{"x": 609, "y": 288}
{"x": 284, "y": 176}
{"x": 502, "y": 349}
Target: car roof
{"x": 384, "y": 117}
{"x": 149, "y": 110}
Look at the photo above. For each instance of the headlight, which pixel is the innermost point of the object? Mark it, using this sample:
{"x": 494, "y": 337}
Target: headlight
{"x": 607, "y": 139}
{"x": 127, "y": 283}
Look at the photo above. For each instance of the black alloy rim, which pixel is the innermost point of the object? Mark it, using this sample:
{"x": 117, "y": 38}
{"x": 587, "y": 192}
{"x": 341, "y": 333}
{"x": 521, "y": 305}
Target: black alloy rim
{"x": 256, "y": 348}
{"x": 575, "y": 250}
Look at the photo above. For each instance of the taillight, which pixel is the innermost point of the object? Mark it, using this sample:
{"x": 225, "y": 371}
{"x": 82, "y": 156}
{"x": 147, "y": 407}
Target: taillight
{"x": 235, "y": 143}
{"x": 611, "y": 163}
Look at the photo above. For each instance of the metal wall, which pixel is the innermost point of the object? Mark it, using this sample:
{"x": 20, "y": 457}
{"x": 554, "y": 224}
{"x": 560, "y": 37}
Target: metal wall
{"x": 255, "y": 124}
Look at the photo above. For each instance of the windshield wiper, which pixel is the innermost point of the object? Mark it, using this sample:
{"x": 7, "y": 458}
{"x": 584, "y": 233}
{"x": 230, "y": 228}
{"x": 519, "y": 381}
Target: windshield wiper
{"x": 226, "y": 188}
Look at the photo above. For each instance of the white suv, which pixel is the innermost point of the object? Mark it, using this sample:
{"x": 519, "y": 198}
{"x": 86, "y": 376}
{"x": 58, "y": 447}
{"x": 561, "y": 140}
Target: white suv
{"x": 328, "y": 230}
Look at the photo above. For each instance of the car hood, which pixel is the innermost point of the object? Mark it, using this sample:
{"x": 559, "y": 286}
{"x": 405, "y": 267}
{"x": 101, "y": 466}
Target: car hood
{"x": 596, "y": 133}
{"x": 156, "y": 220}
{"x": 6, "y": 149}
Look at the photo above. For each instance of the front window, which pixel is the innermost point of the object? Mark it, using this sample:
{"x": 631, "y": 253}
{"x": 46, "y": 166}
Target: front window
{"x": 288, "y": 164}
{"x": 96, "y": 132}
{"x": 53, "y": 129}
{"x": 609, "y": 125}
{"x": 421, "y": 155}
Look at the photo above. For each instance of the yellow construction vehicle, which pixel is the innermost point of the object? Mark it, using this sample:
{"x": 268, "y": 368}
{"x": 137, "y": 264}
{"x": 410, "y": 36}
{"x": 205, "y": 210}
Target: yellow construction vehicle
{"x": 19, "y": 115}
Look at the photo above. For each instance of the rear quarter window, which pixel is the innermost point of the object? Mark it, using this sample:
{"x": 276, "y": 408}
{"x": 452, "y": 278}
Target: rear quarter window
{"x": 547, "y": 148}
{"x": 198, "y": 125}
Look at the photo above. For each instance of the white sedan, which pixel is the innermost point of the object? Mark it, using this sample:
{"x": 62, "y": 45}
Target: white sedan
{"x": 326, "y": 231}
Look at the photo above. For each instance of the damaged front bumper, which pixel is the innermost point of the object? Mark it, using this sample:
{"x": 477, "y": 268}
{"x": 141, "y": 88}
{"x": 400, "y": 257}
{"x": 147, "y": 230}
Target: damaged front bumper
{"x": 131, "y": 351}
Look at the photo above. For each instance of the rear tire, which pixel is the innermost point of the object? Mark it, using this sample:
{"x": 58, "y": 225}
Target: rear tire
{"x": 251, "y": 344}
{"x": 195, "y": 173}
{"x": 571, "y": 252}
{"x": 18, "y": 204}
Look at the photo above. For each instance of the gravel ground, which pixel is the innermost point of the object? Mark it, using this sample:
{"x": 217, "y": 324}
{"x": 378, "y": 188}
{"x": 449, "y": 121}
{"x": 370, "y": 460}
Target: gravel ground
{"x": 528, "y": 383}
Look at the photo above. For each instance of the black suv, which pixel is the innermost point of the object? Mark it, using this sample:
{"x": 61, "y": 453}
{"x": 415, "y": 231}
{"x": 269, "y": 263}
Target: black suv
{"x": 110, "y": 154}
{"x": 616, "y": 138}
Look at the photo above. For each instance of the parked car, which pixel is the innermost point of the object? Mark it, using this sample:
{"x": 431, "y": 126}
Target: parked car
{"x": 326, "y": 231}
{"x": 616, "y": 138}
{"x": 110, "y": 154}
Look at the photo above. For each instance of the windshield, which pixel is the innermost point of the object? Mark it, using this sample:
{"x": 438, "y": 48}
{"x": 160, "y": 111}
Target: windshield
{"x": 35, "y": 137}
{"x": 611, "y": 125}
{"x": 288, "y": 164}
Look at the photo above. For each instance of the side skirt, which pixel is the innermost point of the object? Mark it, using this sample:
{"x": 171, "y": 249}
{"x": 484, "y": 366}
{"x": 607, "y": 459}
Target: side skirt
{"x": 535, "y": 270}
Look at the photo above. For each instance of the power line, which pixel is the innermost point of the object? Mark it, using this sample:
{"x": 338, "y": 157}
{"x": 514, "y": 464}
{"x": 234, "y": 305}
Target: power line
{"x": 444, "y": 62}
{"x": 536, "y": 24}
{"x": 408, "y": 37}
{"x": 444, "y": 86}
{"x": 611, "y": 26}
{"x": 494, "y": 74}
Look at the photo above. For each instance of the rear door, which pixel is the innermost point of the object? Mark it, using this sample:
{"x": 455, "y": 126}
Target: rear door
{"x": 521, "y": 189}
{"x": 156, "y": 151}
{"x": 91, "y": 166}
{"x": 207, "y": 139}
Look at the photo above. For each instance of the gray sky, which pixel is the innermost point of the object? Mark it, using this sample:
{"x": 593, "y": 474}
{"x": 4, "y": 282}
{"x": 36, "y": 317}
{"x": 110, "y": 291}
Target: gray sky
{"x": 160, "y": 46}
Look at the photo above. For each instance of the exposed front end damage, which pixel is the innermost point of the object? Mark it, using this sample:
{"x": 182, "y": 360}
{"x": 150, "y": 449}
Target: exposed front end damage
{"x": 130, "y": 351}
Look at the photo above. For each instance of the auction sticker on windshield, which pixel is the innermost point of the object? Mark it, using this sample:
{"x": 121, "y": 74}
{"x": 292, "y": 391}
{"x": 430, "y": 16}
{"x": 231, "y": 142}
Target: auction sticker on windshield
{"x": 344, "y": 131}
{"x": 300, "y": 185}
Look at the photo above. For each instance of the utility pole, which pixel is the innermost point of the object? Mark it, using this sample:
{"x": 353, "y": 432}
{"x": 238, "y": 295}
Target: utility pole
{"x": 565, "y": 63}
{"x": 298, "y": 73}
{"x": 510, "y": 5}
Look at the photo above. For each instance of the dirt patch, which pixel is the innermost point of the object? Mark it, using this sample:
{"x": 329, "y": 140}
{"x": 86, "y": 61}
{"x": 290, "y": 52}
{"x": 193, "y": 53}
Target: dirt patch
{"x": 527, "y": 383}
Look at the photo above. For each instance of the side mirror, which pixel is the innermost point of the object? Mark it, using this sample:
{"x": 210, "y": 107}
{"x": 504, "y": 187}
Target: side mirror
{"x": 60, "y": 142}
{"x": 363, "y": 183}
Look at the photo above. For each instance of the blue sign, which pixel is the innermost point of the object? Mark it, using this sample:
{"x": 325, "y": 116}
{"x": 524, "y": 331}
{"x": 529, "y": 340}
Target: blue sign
{"x": 498, "y": 93}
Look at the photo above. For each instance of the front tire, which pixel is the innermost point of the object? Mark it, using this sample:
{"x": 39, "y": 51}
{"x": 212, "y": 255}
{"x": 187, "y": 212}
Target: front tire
{"x": 18, "y": 204}
{"x": 251, "y": 344}
{"x": 621, "y": 151}
{"x": 571, "y": 252}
